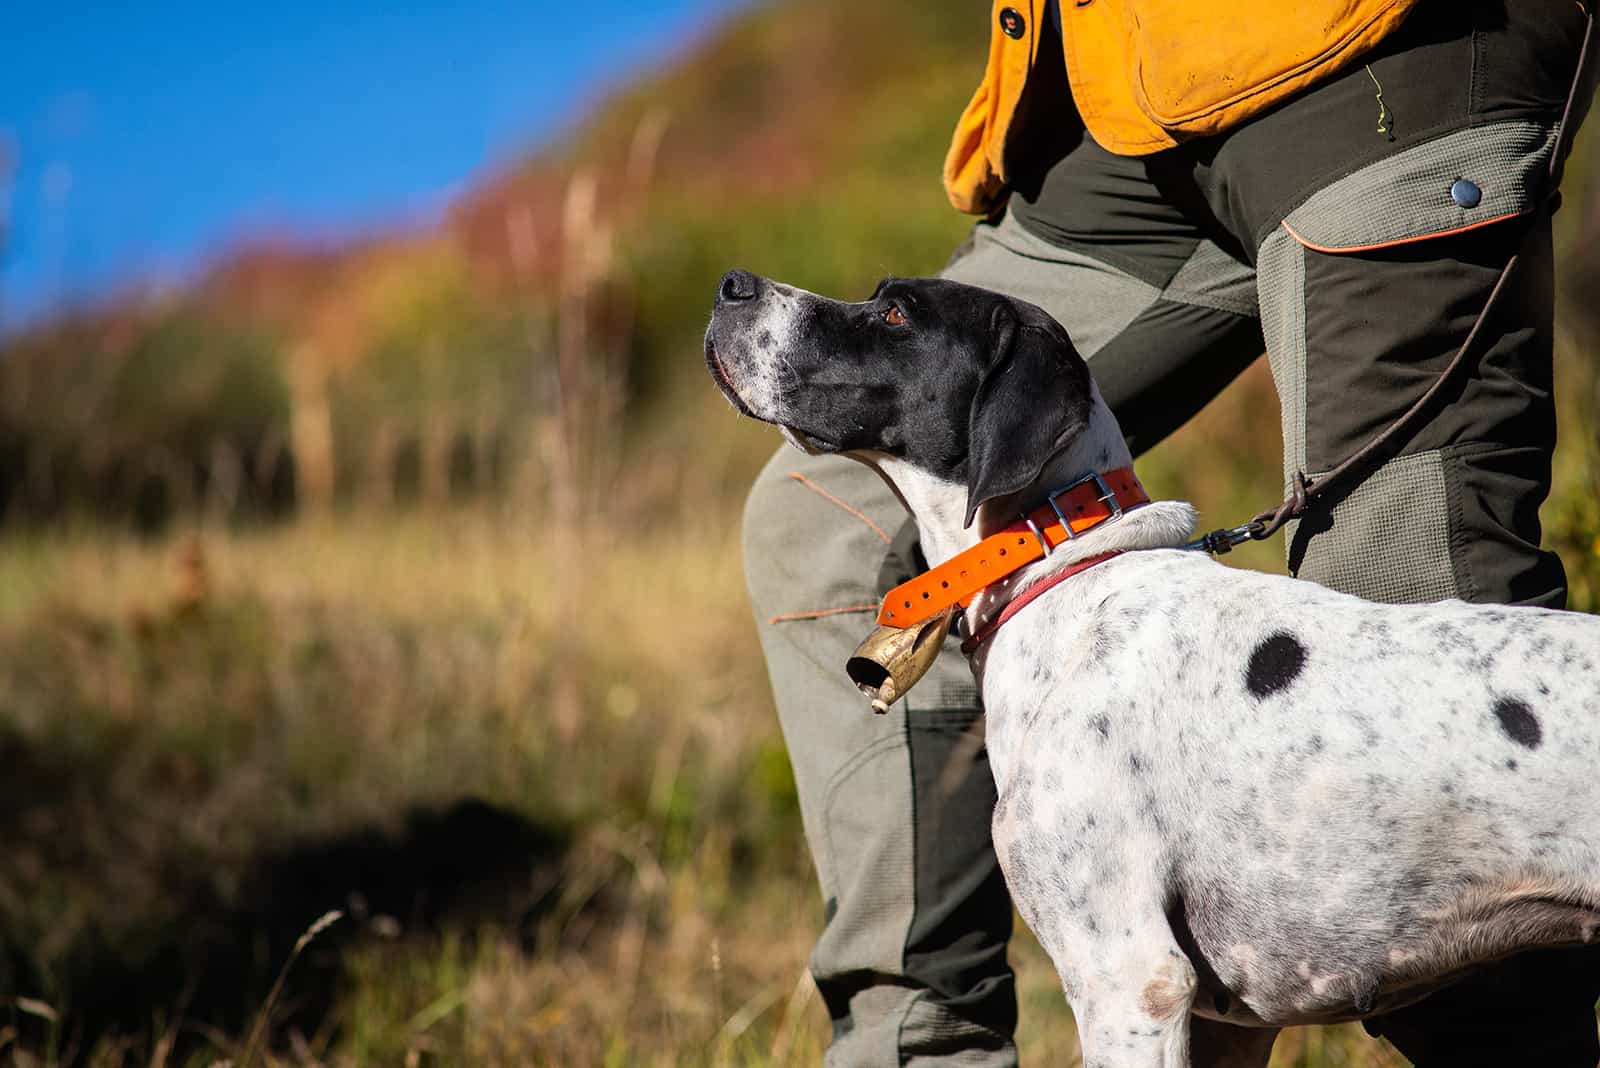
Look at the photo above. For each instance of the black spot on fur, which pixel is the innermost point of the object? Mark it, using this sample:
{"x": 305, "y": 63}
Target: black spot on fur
{"x": 1414, "y": 883}
{"x": 1511, "y": 765}
{"x": 1276, "y": 662}
{"x": 764, "y": 339}
{"x": 1017, "y": 872}
{"x": 1106, "y": 642}
{"x": 1519, "y": 722}
{"x": 1101, "y": 725}
{"x": 1024, "y": 802}
{"x": 1366, "y": 998}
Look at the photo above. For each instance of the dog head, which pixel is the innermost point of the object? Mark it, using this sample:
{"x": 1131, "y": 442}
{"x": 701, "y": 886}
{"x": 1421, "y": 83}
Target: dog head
{"x": 960, "y": 383}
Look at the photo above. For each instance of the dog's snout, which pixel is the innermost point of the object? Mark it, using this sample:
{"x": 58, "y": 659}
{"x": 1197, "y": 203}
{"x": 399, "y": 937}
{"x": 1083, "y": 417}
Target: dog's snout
{"x": 737, "y": 286}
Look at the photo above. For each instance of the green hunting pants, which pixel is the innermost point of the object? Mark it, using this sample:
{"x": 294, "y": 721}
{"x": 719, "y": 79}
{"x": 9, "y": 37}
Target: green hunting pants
{"x": 1358, "y": 261}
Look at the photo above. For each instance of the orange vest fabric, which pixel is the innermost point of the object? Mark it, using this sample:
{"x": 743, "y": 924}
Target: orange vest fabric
{"x": 1146, "y": 74}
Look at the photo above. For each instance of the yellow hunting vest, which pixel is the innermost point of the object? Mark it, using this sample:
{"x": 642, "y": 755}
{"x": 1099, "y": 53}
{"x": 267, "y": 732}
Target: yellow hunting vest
{"x": 1146, "y": 74}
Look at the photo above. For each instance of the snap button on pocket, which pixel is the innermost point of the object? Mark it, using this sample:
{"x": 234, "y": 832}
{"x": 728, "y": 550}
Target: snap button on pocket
{"x": 1011, "y": 23}
{"x": 1466, "y": 194}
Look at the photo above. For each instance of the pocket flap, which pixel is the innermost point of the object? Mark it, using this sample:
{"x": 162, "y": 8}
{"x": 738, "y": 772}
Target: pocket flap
{"x": 1201, "y": 68}
{"x": 1413, "y": 195}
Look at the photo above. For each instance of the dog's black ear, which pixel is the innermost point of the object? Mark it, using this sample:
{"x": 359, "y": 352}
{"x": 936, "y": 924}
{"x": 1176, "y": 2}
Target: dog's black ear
{"x": 1033, "y": 399}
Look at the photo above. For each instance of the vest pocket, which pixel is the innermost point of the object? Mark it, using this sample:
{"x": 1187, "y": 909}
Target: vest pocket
{"x": 1201, "y": 68}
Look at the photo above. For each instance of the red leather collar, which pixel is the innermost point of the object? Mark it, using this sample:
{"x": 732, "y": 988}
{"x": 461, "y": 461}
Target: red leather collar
{"x": 1022, "y": 600}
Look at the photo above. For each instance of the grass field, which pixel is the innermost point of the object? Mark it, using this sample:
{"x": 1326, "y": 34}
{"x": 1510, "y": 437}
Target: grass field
{"x": 350, "y": 718}
{"x": 210, "y": 740}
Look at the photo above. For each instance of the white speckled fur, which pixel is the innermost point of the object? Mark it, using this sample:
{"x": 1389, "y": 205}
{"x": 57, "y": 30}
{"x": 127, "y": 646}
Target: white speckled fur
{"x": 1331, "y": 844}
{"x": 1245, "y": 798}
{"x": 761, "y": 353}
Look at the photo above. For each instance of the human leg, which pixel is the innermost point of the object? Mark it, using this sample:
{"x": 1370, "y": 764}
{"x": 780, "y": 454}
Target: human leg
{"x": 1376, "y": 247}
{"x": 1454, "y": 513}
{"x": 912, "y": 958}
{"x": 911, "y": 962}
{"x": 1369, "y": 282}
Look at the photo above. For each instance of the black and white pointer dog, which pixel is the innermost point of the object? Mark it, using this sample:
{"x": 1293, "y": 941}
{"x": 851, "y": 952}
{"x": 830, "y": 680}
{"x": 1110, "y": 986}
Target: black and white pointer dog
{"x": 1224, "y": 796}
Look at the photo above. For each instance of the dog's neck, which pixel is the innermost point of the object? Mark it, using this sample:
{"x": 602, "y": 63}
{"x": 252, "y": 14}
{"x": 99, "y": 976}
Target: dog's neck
{"x": 939, "y": 508}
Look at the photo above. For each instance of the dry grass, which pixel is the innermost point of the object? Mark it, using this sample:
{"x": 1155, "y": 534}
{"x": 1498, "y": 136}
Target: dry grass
{"x": 339, "y": 676}
{"x": 198, "y": 760}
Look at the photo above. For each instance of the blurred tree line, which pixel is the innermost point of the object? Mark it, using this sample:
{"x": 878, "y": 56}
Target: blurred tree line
{"x": 420, "y": 367}
{"x": 292, "y": 381}
{"x": 405, "y": 387}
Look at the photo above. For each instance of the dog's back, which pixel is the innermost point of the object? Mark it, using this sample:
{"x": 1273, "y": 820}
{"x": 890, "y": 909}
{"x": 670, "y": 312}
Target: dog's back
{"x": 1342, "y": 799}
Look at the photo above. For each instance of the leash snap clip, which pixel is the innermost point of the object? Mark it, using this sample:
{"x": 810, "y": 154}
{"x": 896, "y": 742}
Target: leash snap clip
{"x": 1221, "y": 542}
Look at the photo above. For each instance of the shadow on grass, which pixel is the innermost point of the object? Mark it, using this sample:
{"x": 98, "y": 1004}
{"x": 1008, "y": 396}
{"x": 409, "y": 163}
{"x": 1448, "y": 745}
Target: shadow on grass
{"x": 199, "y": 961}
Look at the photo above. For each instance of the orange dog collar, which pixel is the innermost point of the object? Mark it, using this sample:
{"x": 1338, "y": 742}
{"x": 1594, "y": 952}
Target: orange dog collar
{"x": 1068, "y": 512}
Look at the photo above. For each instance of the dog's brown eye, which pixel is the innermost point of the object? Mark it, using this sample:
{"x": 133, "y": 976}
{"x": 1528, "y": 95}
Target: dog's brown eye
{"x": 893, "y": 315}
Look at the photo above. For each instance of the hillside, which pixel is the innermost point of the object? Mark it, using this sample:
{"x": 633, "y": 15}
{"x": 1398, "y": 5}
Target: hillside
{"x": 423, "y": 343}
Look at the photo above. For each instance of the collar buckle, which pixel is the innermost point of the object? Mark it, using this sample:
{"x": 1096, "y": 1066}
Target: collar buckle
{"x": 1108, "y": 497}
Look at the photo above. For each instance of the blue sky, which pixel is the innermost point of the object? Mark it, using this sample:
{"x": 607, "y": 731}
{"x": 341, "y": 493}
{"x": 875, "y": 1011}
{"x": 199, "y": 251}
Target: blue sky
{"x": 147, "y": 135}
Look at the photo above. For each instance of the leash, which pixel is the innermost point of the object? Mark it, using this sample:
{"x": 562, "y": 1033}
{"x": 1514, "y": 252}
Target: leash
{"x": 1303, "y": 490}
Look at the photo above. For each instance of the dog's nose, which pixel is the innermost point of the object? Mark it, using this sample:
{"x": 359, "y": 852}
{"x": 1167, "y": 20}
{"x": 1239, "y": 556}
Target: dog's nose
{"x": 737, "y": 285}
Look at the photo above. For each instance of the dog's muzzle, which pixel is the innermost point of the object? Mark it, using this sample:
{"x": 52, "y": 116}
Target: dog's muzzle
{"x": 891, "y": 659}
